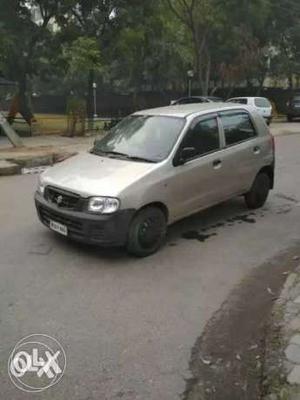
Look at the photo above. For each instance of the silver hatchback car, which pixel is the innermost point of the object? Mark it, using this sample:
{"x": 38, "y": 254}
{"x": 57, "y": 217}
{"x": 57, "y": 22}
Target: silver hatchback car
{"x": 154, "y": 168}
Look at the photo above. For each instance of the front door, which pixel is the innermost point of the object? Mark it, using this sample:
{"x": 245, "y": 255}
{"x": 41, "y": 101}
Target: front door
{"x": 198, "y": 182}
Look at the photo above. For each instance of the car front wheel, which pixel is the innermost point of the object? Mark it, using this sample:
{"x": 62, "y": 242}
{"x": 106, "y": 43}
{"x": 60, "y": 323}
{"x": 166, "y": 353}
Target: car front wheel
{"x": 257, "y": 195}
{"x": 147, "y": 232}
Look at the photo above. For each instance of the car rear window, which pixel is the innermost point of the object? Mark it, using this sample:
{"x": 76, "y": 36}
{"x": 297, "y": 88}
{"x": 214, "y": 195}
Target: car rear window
{"x": 237, "y": 126}
{"x": 261, "y": 102}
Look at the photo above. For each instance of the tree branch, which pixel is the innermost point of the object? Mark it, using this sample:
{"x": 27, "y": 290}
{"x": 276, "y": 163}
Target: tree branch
{"x": 175, "y": 12}
{"x": 78, "y": 17}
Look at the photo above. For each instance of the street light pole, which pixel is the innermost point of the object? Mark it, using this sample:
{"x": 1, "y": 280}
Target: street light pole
{"x": 95, "y": 99}
{"x": 190, "y": 75}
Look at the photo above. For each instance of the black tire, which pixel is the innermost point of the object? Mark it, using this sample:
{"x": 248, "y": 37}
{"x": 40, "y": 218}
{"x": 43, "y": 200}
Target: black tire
{"x": 259, "y": 191}
{"x": 147, "y": 232}
{"x": 290, "y": 118}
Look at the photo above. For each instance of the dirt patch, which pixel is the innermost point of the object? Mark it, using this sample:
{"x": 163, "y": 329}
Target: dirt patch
{"x": 227, "y": 361}
{"x": 195, "y": 235}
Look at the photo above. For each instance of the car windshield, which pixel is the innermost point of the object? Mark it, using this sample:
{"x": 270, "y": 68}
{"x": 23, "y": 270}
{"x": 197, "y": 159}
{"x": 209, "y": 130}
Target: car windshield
{"x": 141, "y": 138}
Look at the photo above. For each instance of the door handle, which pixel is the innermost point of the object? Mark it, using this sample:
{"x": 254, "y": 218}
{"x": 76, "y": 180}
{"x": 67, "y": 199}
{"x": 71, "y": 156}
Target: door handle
{"x": 217, "y": 164}
{"x": 256, "y": 150}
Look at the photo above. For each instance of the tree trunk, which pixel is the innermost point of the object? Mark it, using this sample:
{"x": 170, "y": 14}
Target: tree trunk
{"x": 261, "y": 84}
{"x": 90, "y": 99}
{"x": 207, "y": 75}
{"x": 291, "y": 84}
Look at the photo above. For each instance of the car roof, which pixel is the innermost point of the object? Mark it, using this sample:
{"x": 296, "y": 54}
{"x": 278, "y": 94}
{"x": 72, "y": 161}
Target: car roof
{"x": 192, "y": 97}
{"x": 185, "y": 110}
{"x": 247, "y": 97}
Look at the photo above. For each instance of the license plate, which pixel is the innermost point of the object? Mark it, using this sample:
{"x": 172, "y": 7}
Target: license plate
{"x": 60, "y": 228}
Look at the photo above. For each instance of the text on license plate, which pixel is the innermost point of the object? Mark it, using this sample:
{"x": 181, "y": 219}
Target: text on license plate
{"x": 60, "y": 228}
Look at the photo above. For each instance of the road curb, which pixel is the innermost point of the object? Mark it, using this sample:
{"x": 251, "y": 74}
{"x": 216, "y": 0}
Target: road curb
{"x": 282, "y": 359}
{"x": 8, "y": 168}
{"x": 17, "y": 164}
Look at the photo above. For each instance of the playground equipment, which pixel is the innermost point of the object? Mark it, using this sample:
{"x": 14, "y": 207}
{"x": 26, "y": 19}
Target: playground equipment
{"x": 8, "y": 130}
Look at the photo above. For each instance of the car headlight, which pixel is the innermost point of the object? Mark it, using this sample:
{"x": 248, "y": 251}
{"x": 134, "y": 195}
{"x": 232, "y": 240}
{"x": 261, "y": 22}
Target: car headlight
{"x": 103, "y": 205}
{"x": 41, "y": 187}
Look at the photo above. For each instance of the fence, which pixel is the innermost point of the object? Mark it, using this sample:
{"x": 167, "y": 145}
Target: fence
{"x": 118, "y": 105}
{"x": 50, "y": 110}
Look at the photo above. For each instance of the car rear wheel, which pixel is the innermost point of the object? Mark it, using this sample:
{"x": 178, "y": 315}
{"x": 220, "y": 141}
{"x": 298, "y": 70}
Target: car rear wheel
{"x": 259, "y": 191}
{"x": 147, "y": 232}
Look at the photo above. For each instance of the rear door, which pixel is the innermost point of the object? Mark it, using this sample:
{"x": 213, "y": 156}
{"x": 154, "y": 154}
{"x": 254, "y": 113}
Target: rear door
{"x": 242, "y": 152}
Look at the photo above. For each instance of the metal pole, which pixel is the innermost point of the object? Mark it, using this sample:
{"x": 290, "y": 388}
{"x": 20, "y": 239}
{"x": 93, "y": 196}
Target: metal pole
{"x": 95, "y": 99}
{"x": 190, "y": 75}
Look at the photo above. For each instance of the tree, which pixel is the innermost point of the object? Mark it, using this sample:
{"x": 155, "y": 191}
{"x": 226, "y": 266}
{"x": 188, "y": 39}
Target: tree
{"x": 27, "y": 38}
{"x": 150, "y": 51}
{"x": 286, "y": 39}
{"x": 89, "y": 19}
{"x": 201, "y": 18}
{"x": 81, "y": 56}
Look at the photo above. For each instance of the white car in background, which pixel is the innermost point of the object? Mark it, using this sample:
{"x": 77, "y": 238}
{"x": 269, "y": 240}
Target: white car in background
{"x": 261, "y": 104}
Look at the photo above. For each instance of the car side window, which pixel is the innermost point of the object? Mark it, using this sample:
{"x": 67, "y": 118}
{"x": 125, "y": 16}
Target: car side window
{"x": 237, "y": 126}
{"x": 203, "y": 136}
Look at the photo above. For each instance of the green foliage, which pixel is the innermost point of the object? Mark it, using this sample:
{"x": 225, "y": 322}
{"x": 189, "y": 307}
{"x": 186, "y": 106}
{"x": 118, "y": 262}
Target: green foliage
{"x": 76, "y": 105}
{"x": 82, "y": 55}
{"x": 133, "y": 45}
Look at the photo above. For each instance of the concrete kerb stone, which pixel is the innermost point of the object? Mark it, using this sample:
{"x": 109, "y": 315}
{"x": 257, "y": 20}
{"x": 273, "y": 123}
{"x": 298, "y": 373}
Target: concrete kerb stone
{"x": 33, "y": 161}
{"x": 15, "y": 164}
{"x": 9, "y": 168}
{"x": 283, "y": 356}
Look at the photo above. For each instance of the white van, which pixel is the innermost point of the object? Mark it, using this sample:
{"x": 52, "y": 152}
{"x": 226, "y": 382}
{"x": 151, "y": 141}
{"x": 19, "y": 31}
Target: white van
{"x": 261, "y": 104}
{"x": 154, "y": 168}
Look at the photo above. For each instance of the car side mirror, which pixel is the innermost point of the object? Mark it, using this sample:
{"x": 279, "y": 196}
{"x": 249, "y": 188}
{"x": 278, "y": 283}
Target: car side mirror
{"x": 185, "y": 154}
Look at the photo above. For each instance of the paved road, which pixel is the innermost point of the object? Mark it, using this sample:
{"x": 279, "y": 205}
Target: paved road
{"x": 128, "y": 325}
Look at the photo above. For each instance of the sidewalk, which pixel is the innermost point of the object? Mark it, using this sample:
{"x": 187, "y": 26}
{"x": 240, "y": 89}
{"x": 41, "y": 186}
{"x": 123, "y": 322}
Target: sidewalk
{"x": 39, "y": 151}
{"x": 57, "y": 141}
{"x": 285, "y": 128}
{"x": 282, "y": 358}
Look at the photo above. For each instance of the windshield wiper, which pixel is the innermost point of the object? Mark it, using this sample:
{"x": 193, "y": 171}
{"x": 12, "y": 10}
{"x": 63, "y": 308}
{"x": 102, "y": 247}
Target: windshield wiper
{"x": 108, "y": 153}
{"x": 122, "y": 155}
{"x": 115, "y": 153}
{"x": 137, "y": 158}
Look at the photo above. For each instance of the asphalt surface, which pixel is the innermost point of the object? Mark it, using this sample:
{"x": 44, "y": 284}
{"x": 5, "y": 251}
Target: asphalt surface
{"x": 128, "y": 325}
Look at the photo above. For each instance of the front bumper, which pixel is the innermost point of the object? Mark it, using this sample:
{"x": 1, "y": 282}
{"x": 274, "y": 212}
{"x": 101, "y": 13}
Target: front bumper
{"x": 104, "y": 230}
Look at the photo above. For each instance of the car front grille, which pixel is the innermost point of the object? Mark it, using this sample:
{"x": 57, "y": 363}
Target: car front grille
{"x": 74, "y": 226}
{"x": 62, "y": 198}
